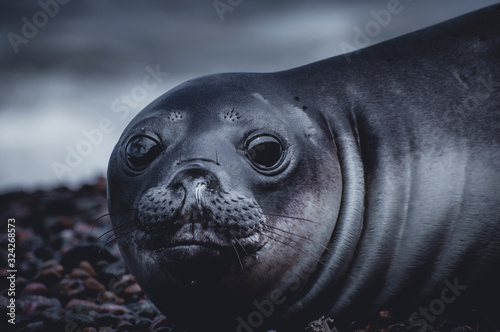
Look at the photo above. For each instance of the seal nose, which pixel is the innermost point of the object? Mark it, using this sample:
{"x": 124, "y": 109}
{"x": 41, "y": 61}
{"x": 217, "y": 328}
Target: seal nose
{"x": 183, "y": 200}
{"x": 195, "y": 182}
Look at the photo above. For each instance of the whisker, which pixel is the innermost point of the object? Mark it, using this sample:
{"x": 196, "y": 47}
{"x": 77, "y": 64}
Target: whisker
{"x": 296, "y": 218}
{"x": 297, "y": 235}
{"x": 287, "y": 238}
{"x": 144, "y": 244}
{"x": 310, "y": 254}
{"x": 246, "y": 253}
{"x": 97, "y": 220}
{"x": 109, "y": 214}
{"x": 118, "y": 228}
{"x": 118, "y": 234}
{"x": 237, "y": 255}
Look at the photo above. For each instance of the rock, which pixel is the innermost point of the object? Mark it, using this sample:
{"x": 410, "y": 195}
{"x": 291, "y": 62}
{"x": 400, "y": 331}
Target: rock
{"x": 34, "y": 241}
{"x": 21, "y": 283}
{"x": 78, "y": 321}
{"x": 111, "y": 273}
{"x": 70, "y": 287}
{"x": 159, "y": 322}
{"x": 143, "y": 324}
{"x": 114, "y": 308}
{"x": 30, "y": 267}
{"x": 384, "y": 318}
{"x": 93, "y": 285}
{"x": 133, "y": 289}
{"x": 52, "y": 320}
{"x": 85, "y": 265}
{"x": 48, "y": 276}
{"x": 144, "y": 308}
{"x": 30, "y": 303}
{"x": 43, "y": 253}
{"x": 35, "y": 326}
{"x": 61, "y": 204}
{"x": 87, "y": 252}
{"x": 89, "y": 329}
{"x": 107, "y": 319}
{"x": 78, "y": 273}
{"x": 52, "y": 264}
{"x": 396, "y": 328}
{"x": 125, "y": 326}
{"x": 321, "y": 325}
{"x": 34, "y": 288}
{"x": 110, "y": 297}
{"x": 80, "y": 304}
{"x": 163, "y": 329}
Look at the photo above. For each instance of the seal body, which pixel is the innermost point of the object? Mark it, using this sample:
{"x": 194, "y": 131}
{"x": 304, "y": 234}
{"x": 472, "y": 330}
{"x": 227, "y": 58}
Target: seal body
{"x": 249, "y": 200}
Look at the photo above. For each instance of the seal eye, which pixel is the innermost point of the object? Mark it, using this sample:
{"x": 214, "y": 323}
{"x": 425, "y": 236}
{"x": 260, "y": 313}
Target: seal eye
{"x": 141, "y": 151}
{"x": 265, "y": 152}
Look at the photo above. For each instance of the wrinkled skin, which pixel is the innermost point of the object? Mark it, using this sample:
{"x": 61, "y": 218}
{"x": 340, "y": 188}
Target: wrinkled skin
{"x": 382, "y": 182}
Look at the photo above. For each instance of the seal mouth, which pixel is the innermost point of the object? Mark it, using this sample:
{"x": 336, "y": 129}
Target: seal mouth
{"x": 191, "y": 250}
{"x": 192, "y": 241}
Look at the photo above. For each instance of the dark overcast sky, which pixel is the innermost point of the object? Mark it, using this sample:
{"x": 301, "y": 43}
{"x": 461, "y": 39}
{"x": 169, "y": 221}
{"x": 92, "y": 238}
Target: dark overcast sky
{"x": 66, "y": 75}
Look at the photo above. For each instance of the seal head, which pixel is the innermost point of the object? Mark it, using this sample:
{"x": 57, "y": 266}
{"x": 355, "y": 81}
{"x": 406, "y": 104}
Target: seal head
{"x": 216, "y": 193}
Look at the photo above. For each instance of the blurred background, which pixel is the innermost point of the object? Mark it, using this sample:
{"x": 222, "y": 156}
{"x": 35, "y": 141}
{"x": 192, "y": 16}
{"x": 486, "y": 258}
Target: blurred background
{"x": 74, "y": 73}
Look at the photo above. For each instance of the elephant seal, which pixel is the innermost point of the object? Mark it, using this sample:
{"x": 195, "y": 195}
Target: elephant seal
{"x": 245, "y": 201}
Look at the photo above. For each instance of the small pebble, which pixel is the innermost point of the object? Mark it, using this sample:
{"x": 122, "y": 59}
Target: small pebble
{"x": 114, "y": 308}
{"x": 384, "y": 318}
{"x": 107, "y": 319}
{"x": 158, "y": 322}
{"x": 34, "y": 288}
{"x": 80, "y": 302}
{"x": 48, "y": 276}
{"x": 35, "y": 326}
{"x": 85, "y": 265}
{"x": 79, "y": 320}
{"x": 78, "y": 273}
{"x": 70, "y": 287}
{"x": 125, "y": 326}
{"x": 108, "y": 296}
{"x": 163, "y": 329}
{"x": 106, "y": 329}
{"x": 89, "y": 253}
{"x": 89, "y": 329}
{"x": 43, "y": 253}
{"x": 133, "y": 289}
{"x": 52, "y": 264}
{"x": 93, "y": 284}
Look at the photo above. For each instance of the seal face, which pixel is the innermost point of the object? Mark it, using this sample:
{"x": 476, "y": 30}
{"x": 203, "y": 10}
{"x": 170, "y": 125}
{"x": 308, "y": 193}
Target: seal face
{"x": 242, "y": 201}
{"x": 217, "y": 201}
